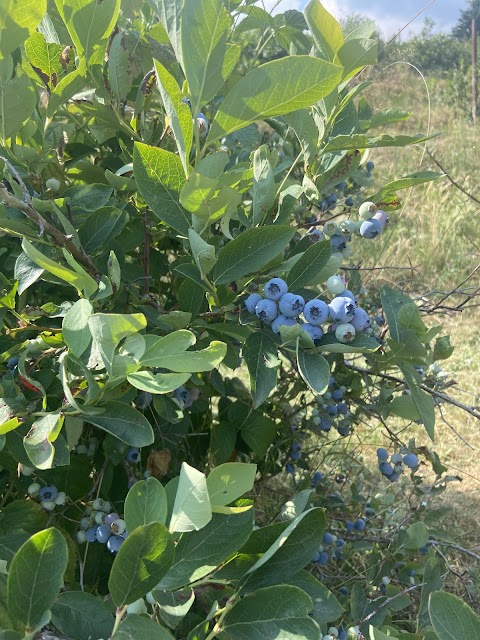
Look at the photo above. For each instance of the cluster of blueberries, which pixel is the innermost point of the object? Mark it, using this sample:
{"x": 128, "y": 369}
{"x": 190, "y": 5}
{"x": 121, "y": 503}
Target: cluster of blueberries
{"x": 331, "y": 547}
{"x": 392, "y": 466}
{"x": 100, "y": 524}
{"x": 279, "y": 307}
{"x": 184, "y": 398}
{"x": 332, "y": 410}
{"x": 371, "y": 223}
{"x": 49, "y": 496}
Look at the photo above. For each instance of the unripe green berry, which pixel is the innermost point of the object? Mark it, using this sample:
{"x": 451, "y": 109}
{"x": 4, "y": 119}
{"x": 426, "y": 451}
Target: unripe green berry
{"x": 53, "y": 184}
{"x": 33, "y": 489}
{"x": 366, "y": 210}
{"x": 138, "y": 606}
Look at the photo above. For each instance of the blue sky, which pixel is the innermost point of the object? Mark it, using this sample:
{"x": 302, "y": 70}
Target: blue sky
{"x": 389, "y": 15}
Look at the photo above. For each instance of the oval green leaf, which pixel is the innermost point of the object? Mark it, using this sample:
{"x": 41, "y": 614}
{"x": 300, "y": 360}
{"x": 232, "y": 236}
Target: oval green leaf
{"x": 146, "y": 502}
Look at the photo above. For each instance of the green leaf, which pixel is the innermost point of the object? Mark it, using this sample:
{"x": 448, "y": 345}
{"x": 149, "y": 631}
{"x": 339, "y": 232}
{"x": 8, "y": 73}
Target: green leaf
{"x": 363, "y": 141}
{"x": 100, "y": 227}
{"x": 307, "y": 267}
{"x": 228, "y": 482}
{"x": 404, "y": 407}
{"x": 173, "y": 606}
{"x": 26, "y": 272}
{"x": 179, "y": 115}
{"x": 18, "y": 20}
{"x": 326, "y": 31}
{"x": 423, "y": 400}
{"x": 146, "y": 502}
{"x": 135, "y": 626}
{"x": 160, "y": 177}
{"x": 36, "y": 576}
{"x": 89, "y": 24}
{"x": 274, "y": 613}
{"x": 198, "y": 553}
{"x": 17, "y": 101}
{"x": 169, "y": 352}
{"x": 414, "y": 537}
{"x": 306, "y": 130}
{"x": 119, "y": 68}
{"x": 314, "y": 369}
{"x": 75, "y": 331}
{"x": 168, "y": 13}
{"x": 109, "y": 329}
{"x": 10, "y": 544}
{"x": 203, "y": 55}
{"x": 22, "y": 516}
{"x": 261, "y": 356}
{"x": 203, "y": 253}
{"x": 432, "y": 581}
{"x": 412, "y": 180}
{"x": 326, "y": 608}
{"x": 251, "y": 251}
{"x": 357, "y": 54}
{"x": 82, "y": 616}
{"x": 291, "y": 552}
{"x": 143, "y": 559}
{"x": 80, "y": 279}
{"x": 158, "y": 382}
{"x": 258, "y": 433}
{"x": 274, "y": 89}
{"x": 37, "y": 442}
{"x": 124, "y": 422}
{"x": 452, "y": 618}
{"x": 191, "y": 510}
{"x": 264, "y": 191}
{"x": 44, "y": 55}
{"x": 68, "y": 86}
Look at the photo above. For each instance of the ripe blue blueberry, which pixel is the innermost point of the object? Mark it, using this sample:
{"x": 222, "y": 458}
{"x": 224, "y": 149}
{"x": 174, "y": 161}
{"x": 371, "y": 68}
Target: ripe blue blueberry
{"x": 370, "y": 166}
{"x": 315, "y": 333}
{"x": 348, "y": 294}
{"x": 110, "y": 518}
{"x": 114, "y": 543}
{"x": 424, "y": 550}
{"x": 133, "y": 455}
{"x": 295, "y": 446}
{"x": 323, "y": 205}
{"x": 343, "y": 634}
{"x": 371, "y": 229}
{"x": 103, "y": 533}
{"x": 182, "y": 396}
{"x": 296, "y": 455}
{"x": 342, "y": 186}
{"x": 411, "y": 460}
{"x": 397, "y": 458}
{"x": 382, "y": 454}
{"x": 349, "y": 525}
{"x": 326, "y": 423}
{"x": 332, "y": 410}
{"x": 332, "y": 199}
{"x": 342, "y": 408}
{"x": 322, "y": 558}
{"x": 291, "y": 305}
{"x": 394, "y": 476}
{"x": 344, "y": 592}
{"x": 411, "y": 573}
{"x": 143, "y": 400}
{"x": 266, "y": 310}
{"x": 12, "y": 363}
{"x": 360, "y": 320}
{"x": 48, "y": 493}
{"x": 341, "y": 309}
{"x": 289, "y": 468}
{"x": 282, "y": 321}
{"x": 359, "y": 524}
{"x": 90, "y": 534}
{"x": 340, "y": 543}
{"x": 275, "y": 289}
{"x": 317, "y": 478}
{"x": 316, "y": 235}
{"x": 349, "y": 201}
{"x": 337, "y": 394}
{"x": 252, "y": 301}
{"x": 316, "y": 312}
{"x": 339, "y": 242}
{"x": 386, "y": 468}
{"x": 369, "y": 512}
{"x": 328, "y": 538}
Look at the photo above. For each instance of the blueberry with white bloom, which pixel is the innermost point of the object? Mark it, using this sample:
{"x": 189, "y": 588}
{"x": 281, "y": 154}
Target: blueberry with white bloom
{"x": 397, "y": 458}
{"x": 382, "y": 454}
{"x": 202, "y": 124}
{"x": 315, "y": 333}
{"x": 348, "y": 294}
{"x": 339, "y": 242}
{"x": 341, "y": 309}
{"x": 275, "y": 289}
{"x": 381, "y": 216}
{"x": 252, "y": 301}
{"x": 360, "y": 320}
{"x": 371, "y": 229}
{"x": 386, "y": 468}
{"x": 291, "y": 305}
{"x": 316, "y": 312}
{"x": 330, "y": 228}
{"x": 266, "y": 310}
{"x": 282, "y": 321}
{"x": 316, "y": 235}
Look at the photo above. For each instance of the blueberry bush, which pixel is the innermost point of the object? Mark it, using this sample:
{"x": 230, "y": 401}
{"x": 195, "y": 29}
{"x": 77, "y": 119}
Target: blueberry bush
{"x": 187, "y": 349}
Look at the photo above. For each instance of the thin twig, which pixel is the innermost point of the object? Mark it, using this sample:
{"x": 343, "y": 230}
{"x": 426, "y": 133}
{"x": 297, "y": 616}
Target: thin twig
{"x": 59, "y": 238}
{"x": 388, "y": 601}
{"x": 449, "y": 177}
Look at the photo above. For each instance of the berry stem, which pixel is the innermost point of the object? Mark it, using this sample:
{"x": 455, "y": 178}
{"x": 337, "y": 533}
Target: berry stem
{"x": 118, "y": 618}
